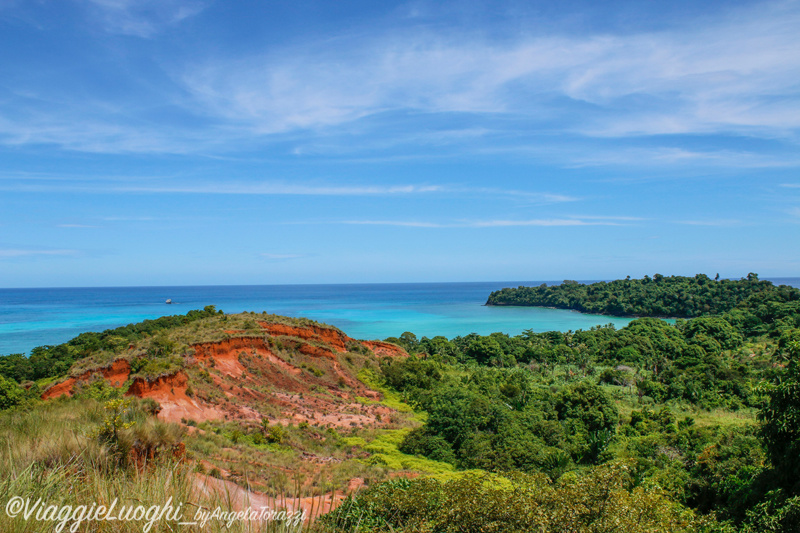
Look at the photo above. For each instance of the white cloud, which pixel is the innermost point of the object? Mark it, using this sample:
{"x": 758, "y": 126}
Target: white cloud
{"x": 374, "y": 89}
{"x": 142, "y": 18}
{"x": 225, "y": 186}
{"x": 738, "y": 75}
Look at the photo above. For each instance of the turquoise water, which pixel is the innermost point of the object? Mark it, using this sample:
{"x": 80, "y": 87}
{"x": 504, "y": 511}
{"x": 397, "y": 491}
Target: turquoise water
{"x": 35, "y": 317}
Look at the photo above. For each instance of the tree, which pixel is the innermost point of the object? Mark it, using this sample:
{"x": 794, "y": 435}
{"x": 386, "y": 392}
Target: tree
{"x": 714, "y": 327}
{"x": 487, "y": 350}
{"x": 588, "y": 403}
{"x": 10, "y": 393}
{"x": 420, "y": 442}
{"x": 16, "y": 366}
{"x": 780, "y": 424}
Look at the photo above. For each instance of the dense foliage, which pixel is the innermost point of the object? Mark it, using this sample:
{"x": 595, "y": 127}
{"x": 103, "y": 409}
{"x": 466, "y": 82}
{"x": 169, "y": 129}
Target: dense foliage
{"x": 708, "y": 362}
{"x": 503, "y": 420}
{"x": 603, "y": 499}
{"x": 780, "y": 429}
{"x": 674, "y": 403}
{"x": 659, "y": 296}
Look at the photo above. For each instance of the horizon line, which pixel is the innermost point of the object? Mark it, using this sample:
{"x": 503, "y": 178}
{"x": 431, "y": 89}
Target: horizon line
{"x": 583, "y": 281}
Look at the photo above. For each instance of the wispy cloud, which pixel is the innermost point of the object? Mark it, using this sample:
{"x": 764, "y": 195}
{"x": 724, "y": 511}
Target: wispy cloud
{"x": 130, "y": 219}
{"x": 226, "y": 186}
{"x": 722, "y": 223}
{"x": 670, "y": 156}
{"x": 532, "y": 196}
{"x": 736, "y": 75}
{"x": 378, "y": 87}
{"x": 23, "y": 252}
{"x": 75, "y": 226}
{"x": 399, "y": 223}
{"x": 609, "y": 217}
{"x": 142, "y": 18}
{"x": 282, "y": 257}
{"x": 269, "y": 188}
{"x": 541, "y": 222}
{"x": 498, "y": 223}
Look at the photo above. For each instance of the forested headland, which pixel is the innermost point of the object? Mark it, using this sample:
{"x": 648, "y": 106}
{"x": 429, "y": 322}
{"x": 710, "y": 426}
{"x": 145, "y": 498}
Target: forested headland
{"x": 659, "y": 296}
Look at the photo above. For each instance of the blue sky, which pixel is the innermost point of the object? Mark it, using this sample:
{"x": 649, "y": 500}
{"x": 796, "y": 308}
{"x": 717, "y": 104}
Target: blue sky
{"x": 197, "y": 142}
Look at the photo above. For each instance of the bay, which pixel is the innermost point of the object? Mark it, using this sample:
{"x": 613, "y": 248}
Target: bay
{"x": 35, "y": 317}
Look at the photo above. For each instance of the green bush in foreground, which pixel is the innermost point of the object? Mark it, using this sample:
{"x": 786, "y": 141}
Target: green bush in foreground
{"x": 597, "y": 500}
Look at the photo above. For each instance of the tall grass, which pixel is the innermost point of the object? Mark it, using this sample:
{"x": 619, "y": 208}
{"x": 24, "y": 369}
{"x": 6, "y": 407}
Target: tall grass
{"x": 52, "y": 453}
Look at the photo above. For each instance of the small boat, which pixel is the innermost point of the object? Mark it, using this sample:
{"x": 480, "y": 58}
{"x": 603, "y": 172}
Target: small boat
{"x": 169, "y": 300}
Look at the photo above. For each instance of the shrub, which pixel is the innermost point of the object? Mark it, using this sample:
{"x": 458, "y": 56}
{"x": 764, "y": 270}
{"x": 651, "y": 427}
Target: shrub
{"x": 419, "y": 442}
{"x": 11, "y": 394}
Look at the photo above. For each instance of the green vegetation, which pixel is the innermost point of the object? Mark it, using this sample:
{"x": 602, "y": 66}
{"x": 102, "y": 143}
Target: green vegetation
{"x": 659, "y": 296}
{"x": 691, "y": 427}
{"x": 603, "y": 499}
{"x": 695, "y": 422}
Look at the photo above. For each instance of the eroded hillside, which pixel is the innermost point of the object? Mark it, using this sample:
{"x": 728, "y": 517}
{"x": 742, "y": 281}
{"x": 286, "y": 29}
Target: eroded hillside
{"x": 248, "y": 368}
{"x": 275, "y": 405}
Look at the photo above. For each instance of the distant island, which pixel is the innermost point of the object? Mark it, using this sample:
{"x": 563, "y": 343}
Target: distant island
{"x": 659, "y": 296}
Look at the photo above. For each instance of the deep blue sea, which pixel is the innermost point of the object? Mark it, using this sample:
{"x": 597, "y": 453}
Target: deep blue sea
{"x": 35, "y": 317}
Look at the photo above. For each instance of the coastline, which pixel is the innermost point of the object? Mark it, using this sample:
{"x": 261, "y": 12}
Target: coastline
{"x": 487, "y": 304}
{"x": 30, "y": 318}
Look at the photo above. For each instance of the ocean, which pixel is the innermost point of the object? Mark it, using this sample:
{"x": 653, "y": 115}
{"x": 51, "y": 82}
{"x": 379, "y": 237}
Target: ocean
{"x": 36, "y": 317}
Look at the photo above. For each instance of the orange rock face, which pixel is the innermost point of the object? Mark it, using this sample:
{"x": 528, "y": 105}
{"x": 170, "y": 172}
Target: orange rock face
{"x": 316, "y": 351}
{"x": 170, "y": 392}
{"x": 115, "y": 374}
{"x": 250, "y": 371}
{"x": 385, "y": 348}
{"x": 226, "y": 353}
{"x": 329, "y": 336}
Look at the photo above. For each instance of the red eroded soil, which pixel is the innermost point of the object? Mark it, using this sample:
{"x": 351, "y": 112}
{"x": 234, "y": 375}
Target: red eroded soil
{"x": 116, "y": 374}
{"x": 385, "y": 348}
{"x": 302, "y": 377}
{"x": 316, "y": 351}
{"x": 170, "y": 392}
{"x": 329, "y": 336}
{"x": 226, "y": 353}
{"x": 249, "y": 378}
{"x": 242, "y": 499}
{"x": 310, "y": 386}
